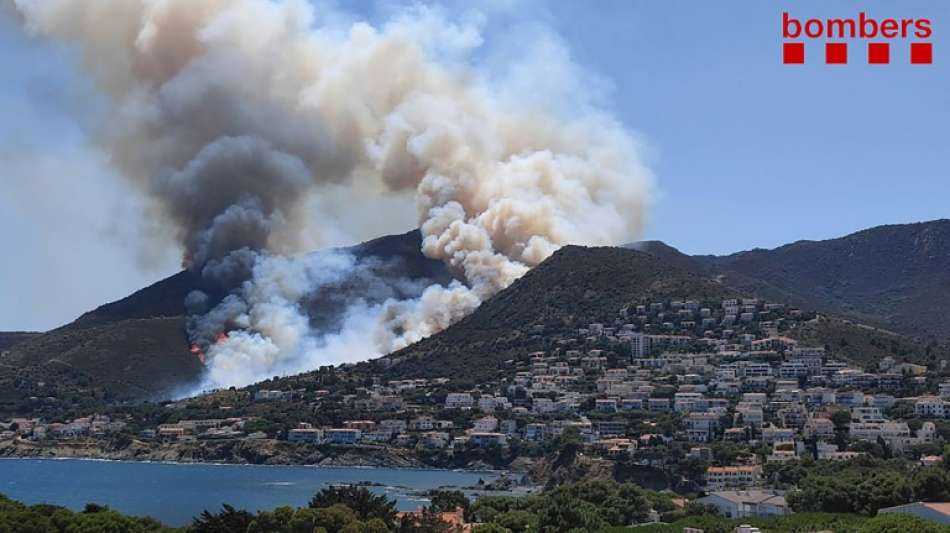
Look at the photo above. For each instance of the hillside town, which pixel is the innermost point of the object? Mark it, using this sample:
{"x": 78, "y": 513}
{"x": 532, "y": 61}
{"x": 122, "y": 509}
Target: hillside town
{"x": 713, "y": 394}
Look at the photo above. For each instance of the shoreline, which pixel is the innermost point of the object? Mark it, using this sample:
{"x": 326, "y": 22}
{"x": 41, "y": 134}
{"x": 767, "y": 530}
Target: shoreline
{"x": 225, "y": 452}
{"x": 253, "y": 465}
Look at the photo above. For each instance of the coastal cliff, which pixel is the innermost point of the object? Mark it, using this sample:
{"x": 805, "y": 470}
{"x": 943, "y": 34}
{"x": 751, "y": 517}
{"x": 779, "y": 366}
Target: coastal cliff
{"x": 230, "y": 451}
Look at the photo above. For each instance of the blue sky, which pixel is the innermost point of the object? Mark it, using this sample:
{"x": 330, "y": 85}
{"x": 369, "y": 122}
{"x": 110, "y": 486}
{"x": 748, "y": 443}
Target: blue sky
{"x": 747, "y": 152}
{"x": 753, "y": 153}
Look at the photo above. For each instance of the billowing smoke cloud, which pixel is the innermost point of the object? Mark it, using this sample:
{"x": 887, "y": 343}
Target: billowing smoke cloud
{"x": 233, "y": 115}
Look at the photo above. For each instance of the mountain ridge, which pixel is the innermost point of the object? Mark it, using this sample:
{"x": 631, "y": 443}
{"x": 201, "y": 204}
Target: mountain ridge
{"x": 575, "y": 286}
{"x": 135, "y": 347}
{"x": 895, "y": 276}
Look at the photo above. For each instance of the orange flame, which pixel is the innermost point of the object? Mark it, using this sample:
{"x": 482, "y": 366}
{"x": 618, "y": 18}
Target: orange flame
{"x": 195, "y": 349}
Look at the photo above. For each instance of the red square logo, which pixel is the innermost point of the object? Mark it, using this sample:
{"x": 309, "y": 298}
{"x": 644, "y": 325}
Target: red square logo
{"x": 793, "y": 53}
{"x": 836, "y": 53}
{"x": 921, "y": 53}
{"x": 879, "y": 53}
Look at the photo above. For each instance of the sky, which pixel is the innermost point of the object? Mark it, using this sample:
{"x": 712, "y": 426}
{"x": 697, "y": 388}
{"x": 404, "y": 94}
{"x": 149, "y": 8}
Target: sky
{"x": 746, "y": 152}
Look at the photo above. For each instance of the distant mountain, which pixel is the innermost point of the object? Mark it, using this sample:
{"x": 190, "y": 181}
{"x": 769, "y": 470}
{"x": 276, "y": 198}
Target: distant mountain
{"x": 896, "y": 277}
{"x": 136, "y": 347}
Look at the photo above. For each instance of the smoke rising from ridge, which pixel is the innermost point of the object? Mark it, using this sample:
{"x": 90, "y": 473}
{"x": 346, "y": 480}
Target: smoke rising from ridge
{"x": 231, "y": 115}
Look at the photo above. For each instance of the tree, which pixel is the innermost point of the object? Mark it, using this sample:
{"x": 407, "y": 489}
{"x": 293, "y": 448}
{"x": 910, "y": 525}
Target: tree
{"x": 693, "y": 468}
{"x": 488, "y": 508}
{"x": 725, "y": 452}
{"x": 900, "y": 523}
{"x": 227, "y": 520}
{"x": 841, "y": 419}
{"x": 517, "y": 521}
{"x": 276, "y": 521}
{"x": 334, "y": 517}
{"x": 562, "y": 513}
{"x": 424, "y": 522}
{"x": 91, "y": 508}
{"x": 930, "y": 485}
{"x": 303, "y": 521}
{"x": 360, "y": 500}
{"x": 374, "y": 526}
{"x": 490, "y": 528}
{"x": 566, "y": 447}
{"x": 631, "y": 504}
{"x": 619, "y": 504}
{"x": 446, "y": 501}
{"x": 856, "y": 490}
{"x": 874, "y": 449}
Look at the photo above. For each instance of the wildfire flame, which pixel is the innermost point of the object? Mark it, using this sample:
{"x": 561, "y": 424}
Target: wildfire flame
{"x": 199, "y": 353}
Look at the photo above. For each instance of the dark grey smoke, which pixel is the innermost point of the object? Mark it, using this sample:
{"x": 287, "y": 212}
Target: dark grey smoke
{"x": 231, "y": 115}
{"x": 232, "y": 195}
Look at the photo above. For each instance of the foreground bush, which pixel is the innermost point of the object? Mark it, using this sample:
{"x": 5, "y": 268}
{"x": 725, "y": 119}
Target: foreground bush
{"x": 16, "y": 518}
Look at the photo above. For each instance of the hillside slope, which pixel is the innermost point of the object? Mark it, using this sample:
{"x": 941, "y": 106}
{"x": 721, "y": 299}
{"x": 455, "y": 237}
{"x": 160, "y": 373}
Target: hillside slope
{"x": 136, "y": 348}
{"x": 139, "y": 358}
{"x": 574, "y": 287}
{"x": 166, "y": 298}
{"x": 9, "y": 338}
{"x": 577, "y": 286}
{"x": 896, "y": 277}
{"x": 865, "y": 346}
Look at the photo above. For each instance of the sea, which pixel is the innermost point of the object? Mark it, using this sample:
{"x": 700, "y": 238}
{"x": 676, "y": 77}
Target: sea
{"x": 173, "y": 493}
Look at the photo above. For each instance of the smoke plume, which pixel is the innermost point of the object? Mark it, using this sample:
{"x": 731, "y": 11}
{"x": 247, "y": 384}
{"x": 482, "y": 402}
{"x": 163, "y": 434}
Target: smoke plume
{"x": 234, "y": 117}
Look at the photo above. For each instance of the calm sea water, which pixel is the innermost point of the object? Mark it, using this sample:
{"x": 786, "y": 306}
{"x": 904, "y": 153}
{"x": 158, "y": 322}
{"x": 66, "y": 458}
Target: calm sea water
{"x": 174, "y": 493}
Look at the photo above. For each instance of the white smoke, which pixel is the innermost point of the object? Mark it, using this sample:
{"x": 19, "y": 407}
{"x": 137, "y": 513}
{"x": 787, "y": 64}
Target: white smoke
{"x": 232, "y": 116}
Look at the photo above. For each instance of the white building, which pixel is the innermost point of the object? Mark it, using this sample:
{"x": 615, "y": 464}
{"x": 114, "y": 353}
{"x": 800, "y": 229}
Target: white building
{"x": 930, "y": 407}
{"x": 305, "y": 435}
{"x": 487, "y": 438}
{"x": 829, "y": 452}
{"x": 342, "y": 436}
{"x": 459, "y": 400}
{"x": 733, "y": 477}
{"x": 747, "y": 503}
{"x": 493, "y": 403}
{"x": 422, "y": 423}
{"x": 487, "y": 424}
{"x": 752, "y": 415}
{"x": 534, "y": 432}
{"x": 542, "y": 406}
{"x": 773, "y": 434}
{"x": 867, "y": 414}
{"x": 819, "y": 427}
{"x": 701, "y": 426}
{"x": 896, "y": 435}
{"x": 933, "y": 511}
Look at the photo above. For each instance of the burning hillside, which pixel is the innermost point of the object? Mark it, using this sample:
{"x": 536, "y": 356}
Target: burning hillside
{"x": 244, "y": 121}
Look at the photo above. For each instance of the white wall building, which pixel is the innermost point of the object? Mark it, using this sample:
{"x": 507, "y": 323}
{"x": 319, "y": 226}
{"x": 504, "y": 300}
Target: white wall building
{"x": 747, "y": 503}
